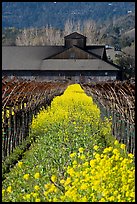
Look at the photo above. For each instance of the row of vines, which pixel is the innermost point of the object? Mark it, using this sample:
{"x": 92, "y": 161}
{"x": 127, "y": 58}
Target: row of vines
{"x": 21, "y": 99}
{"x": 117, "y": 99}
{"x": 75, "y": 157}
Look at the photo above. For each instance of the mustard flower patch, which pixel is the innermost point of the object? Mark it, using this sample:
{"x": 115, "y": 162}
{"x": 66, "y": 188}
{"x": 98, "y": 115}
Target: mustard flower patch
{"x": 75, "y": 157}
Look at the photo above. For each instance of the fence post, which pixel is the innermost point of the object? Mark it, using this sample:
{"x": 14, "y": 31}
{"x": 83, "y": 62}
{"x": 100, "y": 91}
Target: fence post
{"x": 14, "y": 128}
{"x": 12, "y": 131}
{"x": 5, "y": 134}
{"x": 6, "y": 131}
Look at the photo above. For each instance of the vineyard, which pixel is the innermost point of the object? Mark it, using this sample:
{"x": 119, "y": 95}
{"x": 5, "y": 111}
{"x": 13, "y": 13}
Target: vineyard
{"x": 117, "y": 99}
{"x": 21, "y": 99}
{"x": 68, "y": 142}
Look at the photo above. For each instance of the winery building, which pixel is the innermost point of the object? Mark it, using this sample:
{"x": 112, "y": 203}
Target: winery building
{"x": 74, "y": 61}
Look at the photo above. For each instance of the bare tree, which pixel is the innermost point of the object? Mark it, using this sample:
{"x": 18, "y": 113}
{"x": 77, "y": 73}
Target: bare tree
{"x": 77, "y": 27}
{"x": 50, "y": 36}
{"x": 68, "y": 28}
{"x": 89, "y": 30}
{"x": 22, "y": 39}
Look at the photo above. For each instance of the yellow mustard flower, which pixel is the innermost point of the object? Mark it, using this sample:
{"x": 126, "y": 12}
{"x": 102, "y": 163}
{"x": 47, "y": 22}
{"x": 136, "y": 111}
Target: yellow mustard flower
{"x": 83, "y": 186}
{"x": 62, "y": 181}
{"x": 37, "y": 175}
{"x": 20, "y": 164}
{"x": 74, "y": 162}
{"x": 24, "y": 197}
{"x": 26, "y": 176}
{"x": 3, "y": 191}
{"x": 82, "y": 157}
{"x": 68, "y": 181}
{"x": 55, "y": 199}
{"x": 81, "y": 149}
{"x": 130, "y": 180}
{"x": 95, "y": 147}
{"x": 84, "y": 199}
{"x": 72, "y": 155}
{"x": 131, "y": 155}
{"x": 127, "y": 194}
{"x": 97, "y": 156}
{"x": 116, "y": 142}
{"x": 34, "y": 194}
{"x": 47, "y": 186}
{"x": 119, "y": 197}
{"x": 75, "y": 182}
{"x": 132, "y": 194}
{"x": 115, "y": 193}
{"x": 92, "y": 163}
{"x": 115, "y": 151}
{"x": 36, "y": 187}
{"x": 9, "y": 189}
{"x": 45, "y": 193}
{"x": 53, "y": 178}
{"x": 37, "y": 200}
{"x": 112, "y": 198}
{"x": 86, "y": 164}
{"x": 70, "y": 171}
{"x": 27, "y": 196}
{"x": 52, "y": 188}
{"x": 106, "y": 150}
{"x": 110, "y": 149}
{"x": 124, "y": 162}
{"x": 117, "y": 156}
{"x": 50, "y": 200}
{"x": 123, "y": 146}
{"x": 102, "y": 200}
{"x": 68, "y": 193}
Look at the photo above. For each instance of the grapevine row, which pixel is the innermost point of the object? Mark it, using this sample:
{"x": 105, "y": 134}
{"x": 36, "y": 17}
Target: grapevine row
{"x": 117, "y": 99}
{"x": 21, "y": 99}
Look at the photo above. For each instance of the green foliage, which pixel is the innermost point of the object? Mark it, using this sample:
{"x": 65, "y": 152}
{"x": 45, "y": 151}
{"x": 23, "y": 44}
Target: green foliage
{"x": 9, "y": 36}
{"x": 73, "y": 146}
{"x": 127, "y": 63}
{"x": 14, "y": 157}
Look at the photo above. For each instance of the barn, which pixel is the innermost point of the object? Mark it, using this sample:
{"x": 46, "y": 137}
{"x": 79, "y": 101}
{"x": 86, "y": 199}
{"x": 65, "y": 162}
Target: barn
{"x": 74, "y": 61}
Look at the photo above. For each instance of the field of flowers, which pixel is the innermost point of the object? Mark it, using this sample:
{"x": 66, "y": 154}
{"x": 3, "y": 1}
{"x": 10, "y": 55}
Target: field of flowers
{"x": 74, "y": 157}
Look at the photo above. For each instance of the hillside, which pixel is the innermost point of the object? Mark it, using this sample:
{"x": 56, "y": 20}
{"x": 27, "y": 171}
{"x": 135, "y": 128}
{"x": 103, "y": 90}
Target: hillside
{"x": 38, "y": 14}
{"x": 120, "y": 32}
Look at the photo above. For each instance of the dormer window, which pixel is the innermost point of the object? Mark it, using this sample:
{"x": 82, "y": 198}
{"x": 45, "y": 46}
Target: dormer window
{"x": 75, "y": 39}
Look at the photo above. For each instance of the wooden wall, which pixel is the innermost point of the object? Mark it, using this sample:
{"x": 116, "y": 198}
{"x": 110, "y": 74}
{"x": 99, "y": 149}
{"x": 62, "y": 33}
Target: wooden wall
{"x": 74, "y": 76}
{"x": 81, "y": 42}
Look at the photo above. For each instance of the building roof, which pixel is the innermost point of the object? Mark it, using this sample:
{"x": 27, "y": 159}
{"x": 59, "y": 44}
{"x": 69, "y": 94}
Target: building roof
{"x": 31, "y": 58}
{"x": 32, "y": 62}
{"x": 97, "y": 50}
{"x": 16, "y": 57}
{"x": 73, "y": 48}
{"x": 77, "y": 64}
{"x": 47, "y": 57}
{"x": 74, "y": 35}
